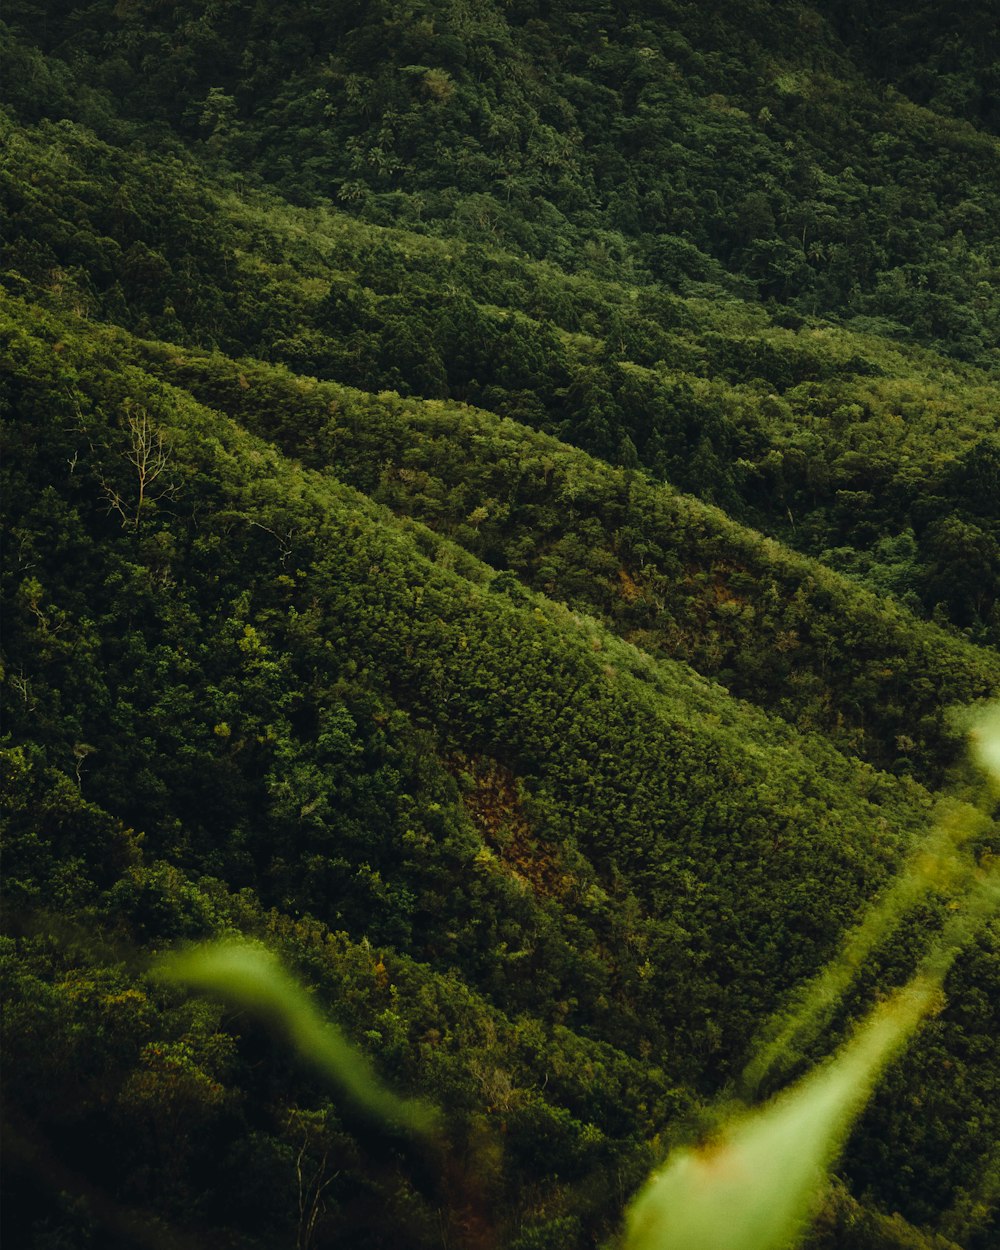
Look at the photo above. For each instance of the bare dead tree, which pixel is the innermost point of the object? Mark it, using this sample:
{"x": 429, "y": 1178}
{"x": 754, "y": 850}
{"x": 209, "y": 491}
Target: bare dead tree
{"x": 311, "y": 1191}
{"x": 148, "y": 452}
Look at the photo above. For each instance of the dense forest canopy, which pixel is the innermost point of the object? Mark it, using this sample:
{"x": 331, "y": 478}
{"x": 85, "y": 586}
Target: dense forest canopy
{"x": 502, "y": 507}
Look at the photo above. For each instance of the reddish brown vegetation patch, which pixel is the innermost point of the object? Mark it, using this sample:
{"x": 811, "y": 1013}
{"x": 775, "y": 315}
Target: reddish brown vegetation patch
{"x": 495, "y": 807}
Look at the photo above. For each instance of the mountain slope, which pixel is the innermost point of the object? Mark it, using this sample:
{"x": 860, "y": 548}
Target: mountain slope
{"x": 530, "y": 582}
{"x": 660, "y": 862}
{"x": 878, "y": 459}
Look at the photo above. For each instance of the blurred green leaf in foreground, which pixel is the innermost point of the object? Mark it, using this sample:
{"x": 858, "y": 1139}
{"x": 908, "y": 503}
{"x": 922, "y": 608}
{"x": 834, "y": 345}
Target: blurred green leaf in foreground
{"x": 756, "y": 1185}
{"x": 249, "y": 977}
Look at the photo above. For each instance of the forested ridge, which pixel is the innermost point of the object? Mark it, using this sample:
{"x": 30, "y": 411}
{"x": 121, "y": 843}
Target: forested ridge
{"x": 501, "y": 506}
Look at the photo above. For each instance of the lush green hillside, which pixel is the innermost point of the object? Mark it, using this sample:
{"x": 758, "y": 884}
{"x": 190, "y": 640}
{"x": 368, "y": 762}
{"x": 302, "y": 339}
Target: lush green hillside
{"x": 674, "y": 576}
{"x": 740, "y": 142}
{"x": 500, "y": 504}
{"x": 369, "y": 734}
{"x": 880, "y": 459}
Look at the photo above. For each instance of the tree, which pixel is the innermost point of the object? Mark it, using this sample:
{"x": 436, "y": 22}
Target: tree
{"x": 147, "y": 450}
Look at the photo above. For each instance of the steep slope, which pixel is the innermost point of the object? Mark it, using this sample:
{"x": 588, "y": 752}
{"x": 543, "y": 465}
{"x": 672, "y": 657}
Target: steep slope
{"x": 527, "y": 582}
{"x": 881, "y": 460}
{"x": 675, "y": 576}
{"x": 221, "y": 653}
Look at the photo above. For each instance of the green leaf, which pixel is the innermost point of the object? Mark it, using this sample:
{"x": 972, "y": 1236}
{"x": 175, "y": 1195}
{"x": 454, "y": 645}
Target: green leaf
{"x": 250, "y": 977}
